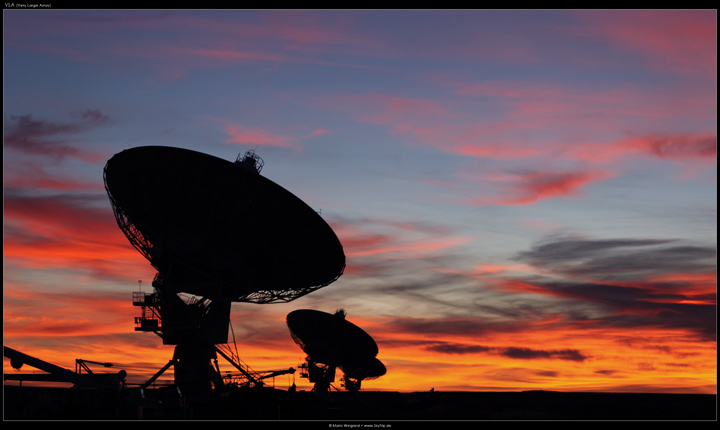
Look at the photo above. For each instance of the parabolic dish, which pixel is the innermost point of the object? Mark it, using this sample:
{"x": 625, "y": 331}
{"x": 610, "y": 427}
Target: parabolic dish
{"x": 330, "y": 339}
{"x": 213, "y": 228}
{"x": 365, "y": 368}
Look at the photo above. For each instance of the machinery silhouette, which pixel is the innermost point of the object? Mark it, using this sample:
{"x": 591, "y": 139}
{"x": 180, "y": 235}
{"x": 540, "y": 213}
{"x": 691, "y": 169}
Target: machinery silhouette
{"x": 331, "y": 342}
{"x": 217, "y": 232}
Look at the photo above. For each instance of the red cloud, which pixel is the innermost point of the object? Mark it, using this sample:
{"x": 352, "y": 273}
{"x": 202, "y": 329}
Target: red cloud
{"x": 68, "y": 232}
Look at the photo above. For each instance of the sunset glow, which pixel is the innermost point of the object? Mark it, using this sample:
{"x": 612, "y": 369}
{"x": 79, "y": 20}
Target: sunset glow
{"x": 526, "y": 199}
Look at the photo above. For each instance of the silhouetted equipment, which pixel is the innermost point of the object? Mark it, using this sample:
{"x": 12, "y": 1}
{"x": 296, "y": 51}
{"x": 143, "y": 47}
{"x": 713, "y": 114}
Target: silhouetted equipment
{"x": 330, "y": 342}
{"x": 217, "y": 232}
{"x": 54, "y": 373}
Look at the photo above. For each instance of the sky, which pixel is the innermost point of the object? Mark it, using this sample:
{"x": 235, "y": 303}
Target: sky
{"x": 526, "y": 198}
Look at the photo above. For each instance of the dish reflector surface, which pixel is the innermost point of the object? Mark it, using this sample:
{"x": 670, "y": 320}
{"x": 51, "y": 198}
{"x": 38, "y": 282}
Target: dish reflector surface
{"x": 216, "y": 229}
{"x": 330, "y": 339}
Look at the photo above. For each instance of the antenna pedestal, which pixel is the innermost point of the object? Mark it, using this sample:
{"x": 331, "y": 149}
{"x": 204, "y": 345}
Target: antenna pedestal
{"x": 194, "y": 372}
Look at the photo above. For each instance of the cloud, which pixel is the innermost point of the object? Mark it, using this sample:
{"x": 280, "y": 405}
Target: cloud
{"x": 255, "y": 136}
{"x": 519, "y": 353}
{"x": 32, "y": 174}
{"x": 68, "y": 231}
{"x": 377, "y": 237}
{"x": 319, "y": 132}
{"x": 456, "y": 348}
{"x": 682, "y": 146}
{"x": 629, "y": 279}
{"x": 534, "y": 186}
{"x": 618, "y": 259}
{"x": 573, "y": 122}
{"x": 528, "y": 127}
{"x": 262, "y": 136}
{"x": 681, "y": 41}
{"x": 606, "y": 372}
{"x": 40, "y": 137}
{"x": 532, "y": 354}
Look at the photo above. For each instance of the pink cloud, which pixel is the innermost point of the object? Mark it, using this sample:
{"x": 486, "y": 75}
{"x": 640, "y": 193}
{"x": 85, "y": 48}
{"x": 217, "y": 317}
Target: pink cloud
{"x": 499, "y": 150}
{"x": 369, "y": 243}
{"x": 593, "y": 108}
{"x": 319, "y": 132}
{"x": 688, "y": 148}
{"x": 531, "y": 187}
{"x": 683, "y": 41}
{"x": 678, "y": 146}
{"x": 509, "y": 120}
{"x": 258, "y": 136}
{"x": 261, "y": 136}
{"x": 578, "y": 122}
{"x": 359, "y": 243}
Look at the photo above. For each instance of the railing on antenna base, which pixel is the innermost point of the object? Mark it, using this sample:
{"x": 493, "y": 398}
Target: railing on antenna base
{"x": 149, "y": 320}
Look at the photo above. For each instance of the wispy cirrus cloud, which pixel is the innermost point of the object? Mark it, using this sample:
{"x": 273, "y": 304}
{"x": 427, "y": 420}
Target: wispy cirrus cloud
{"x": 381, "y": 238}
{"x": 267, "y": 136}
{"x": 681, "y": 41}
{"x": 696, "y": 150}
{"x": 677, "y": 146}
{"x": 255, "y": 136}
{"x": 615, "y": 259}
{"x": 508, "y": 120}
{"x": 639, "y": 282}
{"x": 531, "y": 187}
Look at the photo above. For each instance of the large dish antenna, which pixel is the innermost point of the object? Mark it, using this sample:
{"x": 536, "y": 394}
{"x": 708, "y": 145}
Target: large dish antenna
{"x": 221, "y": 233}
{"x": 330, "y": 341}
{"x": 217, "y": 228}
